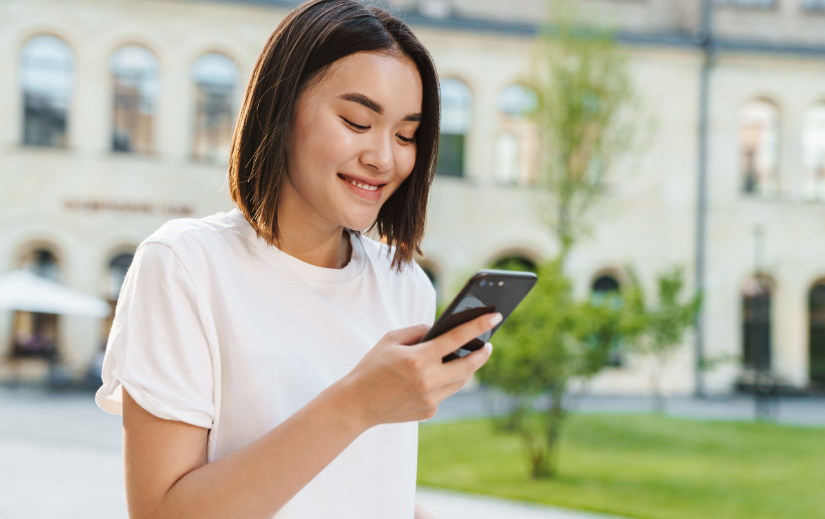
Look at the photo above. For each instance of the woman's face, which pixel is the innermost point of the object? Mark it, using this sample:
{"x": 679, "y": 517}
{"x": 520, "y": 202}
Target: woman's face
{"x": 352, "y": 141}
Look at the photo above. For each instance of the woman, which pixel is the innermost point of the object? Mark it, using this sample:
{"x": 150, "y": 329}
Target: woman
{"x": 252, "y": 353}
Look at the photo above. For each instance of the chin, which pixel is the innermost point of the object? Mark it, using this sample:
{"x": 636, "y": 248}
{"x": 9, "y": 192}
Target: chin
{"x": 358, "y": 222}
{"x": 360, "y": 227}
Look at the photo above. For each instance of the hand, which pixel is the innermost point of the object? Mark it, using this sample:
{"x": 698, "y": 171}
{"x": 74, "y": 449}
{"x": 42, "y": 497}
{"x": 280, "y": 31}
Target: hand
{"x": 401, "y": 381}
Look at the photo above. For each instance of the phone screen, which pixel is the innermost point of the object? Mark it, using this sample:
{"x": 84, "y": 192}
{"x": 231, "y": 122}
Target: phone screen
{"x": 487, "y": 292}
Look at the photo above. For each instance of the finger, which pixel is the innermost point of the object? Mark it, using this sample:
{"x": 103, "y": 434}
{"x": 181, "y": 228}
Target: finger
{"x": 449, "y": 390}
{"x": 407, "y": 336}
{"x": 461, "y": 335}
{"x": 463, "y": 368}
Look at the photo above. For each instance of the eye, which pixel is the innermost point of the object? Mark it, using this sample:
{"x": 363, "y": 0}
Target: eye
{"x": 407, "y": 140}
{"x": 355, "y": 126}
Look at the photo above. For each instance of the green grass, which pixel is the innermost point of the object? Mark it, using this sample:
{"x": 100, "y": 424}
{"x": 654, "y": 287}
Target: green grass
{"x": 641, "y": 466}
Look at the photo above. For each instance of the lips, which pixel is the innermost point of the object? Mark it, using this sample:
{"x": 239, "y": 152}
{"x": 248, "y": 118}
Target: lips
{"x": 369, "y": 190}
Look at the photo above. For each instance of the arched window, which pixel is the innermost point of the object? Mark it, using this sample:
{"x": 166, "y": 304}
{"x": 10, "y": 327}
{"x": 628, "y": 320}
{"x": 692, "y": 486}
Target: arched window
{"x": 816, "y": 348}
{"x": 514, "y": 262}
{"x": 42, "y": 262}
{"x": 517, "y": 101}
{"x": 606, "y": 291}
{"x": 118, "y": 267}
{"x": 117, "y": 274}
{"x": 604, "y": 285}
{"x": 759, "y": 147}
{"x": 515, "y": 145}
{"x": 215, "y": 77}
{"x": 456, "y": 118}
{"x": 35, "y": 335}
{"x": 432, "y": 275}
{"x": 46, "y": 80}
{"x": 813, "y": 151}
{"x": 136, "y": 83}
{"x": 756, "y": 324}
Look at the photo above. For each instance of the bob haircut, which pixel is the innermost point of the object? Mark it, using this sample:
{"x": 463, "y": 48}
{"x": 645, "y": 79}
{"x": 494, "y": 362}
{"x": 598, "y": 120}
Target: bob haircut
{"x": 310, "y": 39}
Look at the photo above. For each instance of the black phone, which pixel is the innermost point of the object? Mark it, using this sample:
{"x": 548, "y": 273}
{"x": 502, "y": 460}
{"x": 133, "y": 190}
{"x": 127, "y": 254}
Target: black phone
{"x": 486, "y": 292}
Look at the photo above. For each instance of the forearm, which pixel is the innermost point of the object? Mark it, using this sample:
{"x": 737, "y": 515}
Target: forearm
{"x": 259, "y": 479}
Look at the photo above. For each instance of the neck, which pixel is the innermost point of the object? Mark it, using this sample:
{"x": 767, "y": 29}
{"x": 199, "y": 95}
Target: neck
{"x": 307, "y": 236}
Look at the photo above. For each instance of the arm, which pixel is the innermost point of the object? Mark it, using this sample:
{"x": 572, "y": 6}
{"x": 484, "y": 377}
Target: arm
{"x": 167, "y": 475}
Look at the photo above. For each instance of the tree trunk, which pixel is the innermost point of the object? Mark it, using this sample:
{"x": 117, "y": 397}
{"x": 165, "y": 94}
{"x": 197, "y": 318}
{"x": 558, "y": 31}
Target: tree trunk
{"x": 656, "y": 385}
{"x": 515, "y": 417}
{"x": 537, "y": 452}
{"x": 553, "y": 422}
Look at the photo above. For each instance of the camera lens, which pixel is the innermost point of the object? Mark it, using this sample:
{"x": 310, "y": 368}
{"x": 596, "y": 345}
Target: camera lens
{"x": 483, "y": 283}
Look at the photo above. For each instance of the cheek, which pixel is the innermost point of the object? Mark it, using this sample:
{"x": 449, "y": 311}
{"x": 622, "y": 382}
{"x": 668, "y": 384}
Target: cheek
{"x": 320, "y": 146}
{"x": 405, "y": 161}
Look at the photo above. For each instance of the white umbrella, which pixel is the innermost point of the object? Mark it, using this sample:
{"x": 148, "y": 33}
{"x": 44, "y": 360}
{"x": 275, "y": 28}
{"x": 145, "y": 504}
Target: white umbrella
{"x": 22, "y": 290}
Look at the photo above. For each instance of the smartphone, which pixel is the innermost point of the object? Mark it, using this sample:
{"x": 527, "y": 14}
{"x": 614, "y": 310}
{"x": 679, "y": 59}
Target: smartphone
{"x": 486, "y": 292}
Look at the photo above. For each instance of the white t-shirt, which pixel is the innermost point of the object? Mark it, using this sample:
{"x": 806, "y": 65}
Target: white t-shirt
{"x": 217, "y": 329}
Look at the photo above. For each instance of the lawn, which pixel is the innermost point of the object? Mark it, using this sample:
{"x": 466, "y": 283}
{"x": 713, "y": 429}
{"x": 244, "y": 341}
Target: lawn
{"x": 641, "y": 466}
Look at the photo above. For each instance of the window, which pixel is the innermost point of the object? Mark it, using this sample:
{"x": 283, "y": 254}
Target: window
{"x": 605, "y": 285}
{"x": 517, "y": 101}
{"x": 431, "y": 272}
{"x": 517, "y": 142}
{"x": 606, "y": 291}
{"x": 46, "y": 80}
{"x": 215, "y": 77}
{"x": 759, "y": 147}
{"x": 519, "y": 263}
{"x": 816, "y": 348}
{"x": 756, "y": 324}
{"x": 456, "y": 117}
{"x": 116, "y": 275}
{"x": 35, "y": 335}
{"x": 136, "y": 84}
{"x": 813, "y": 151}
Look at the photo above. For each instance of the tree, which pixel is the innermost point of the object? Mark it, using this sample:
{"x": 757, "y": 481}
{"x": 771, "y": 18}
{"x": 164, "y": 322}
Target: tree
{"x": 663, "y": 327}
{"x": 585, "y": 102}
{"x": 549, "y": 341}
{"x": 585, "y": 94}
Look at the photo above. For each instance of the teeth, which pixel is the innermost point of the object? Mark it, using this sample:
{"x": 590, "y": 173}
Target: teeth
{"x": 363, "y": 186}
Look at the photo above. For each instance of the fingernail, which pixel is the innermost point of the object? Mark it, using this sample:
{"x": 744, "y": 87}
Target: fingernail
{"x": 490, "y": 344}
{"x": 495, "y": 319}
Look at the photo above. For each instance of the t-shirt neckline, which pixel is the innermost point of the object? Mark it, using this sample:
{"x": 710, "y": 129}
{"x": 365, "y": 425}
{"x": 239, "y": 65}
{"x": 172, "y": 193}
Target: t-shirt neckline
{"x": 301, "y": 268}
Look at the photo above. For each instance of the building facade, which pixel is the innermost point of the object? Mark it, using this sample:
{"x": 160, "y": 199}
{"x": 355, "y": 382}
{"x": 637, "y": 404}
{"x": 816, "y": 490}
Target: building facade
{"x": 115, "y": 117}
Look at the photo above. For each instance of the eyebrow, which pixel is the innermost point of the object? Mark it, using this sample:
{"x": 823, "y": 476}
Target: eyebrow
{"x": 374, "y": 106}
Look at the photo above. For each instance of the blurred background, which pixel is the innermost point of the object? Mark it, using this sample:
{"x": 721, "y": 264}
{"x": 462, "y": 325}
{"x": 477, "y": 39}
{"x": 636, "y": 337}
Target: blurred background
{"x": 116, "y": 116}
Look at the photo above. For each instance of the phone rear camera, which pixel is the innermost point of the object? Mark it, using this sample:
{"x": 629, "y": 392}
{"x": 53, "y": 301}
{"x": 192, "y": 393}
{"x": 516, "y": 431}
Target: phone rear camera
{"x": 483, "y": 283}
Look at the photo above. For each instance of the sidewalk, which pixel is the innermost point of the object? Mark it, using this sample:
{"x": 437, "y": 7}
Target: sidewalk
{"x": 803, "y": 410}
{"x": 61, "y": 455}
{"x": 60, "y": 458}
{"x": 455, "y": 505}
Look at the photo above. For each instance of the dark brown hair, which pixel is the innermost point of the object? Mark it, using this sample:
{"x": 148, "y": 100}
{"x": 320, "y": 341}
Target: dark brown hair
{"x": 311, "y": 38}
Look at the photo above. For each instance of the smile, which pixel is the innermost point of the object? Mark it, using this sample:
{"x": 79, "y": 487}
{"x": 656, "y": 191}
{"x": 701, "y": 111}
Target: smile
{"x": 362, "y": 188}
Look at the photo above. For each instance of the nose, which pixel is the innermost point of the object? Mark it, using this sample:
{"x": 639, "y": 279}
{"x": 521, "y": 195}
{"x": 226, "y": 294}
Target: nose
{"x": 379, "y": 155}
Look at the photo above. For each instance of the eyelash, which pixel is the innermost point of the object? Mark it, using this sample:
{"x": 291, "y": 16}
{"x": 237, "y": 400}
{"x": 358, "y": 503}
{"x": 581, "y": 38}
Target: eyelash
{"x": 365, "y": 128}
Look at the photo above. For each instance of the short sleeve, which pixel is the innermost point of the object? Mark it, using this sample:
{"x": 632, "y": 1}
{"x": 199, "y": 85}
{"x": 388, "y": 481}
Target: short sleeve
{"x": 158, "y": 348}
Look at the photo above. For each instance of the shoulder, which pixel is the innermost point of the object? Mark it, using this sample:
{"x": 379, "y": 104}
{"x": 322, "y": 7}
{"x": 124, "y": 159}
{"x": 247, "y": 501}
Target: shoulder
{"x": 195, "y": 240}
{"x": 186, "y": 243}
{"x": 179, "y": 233}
